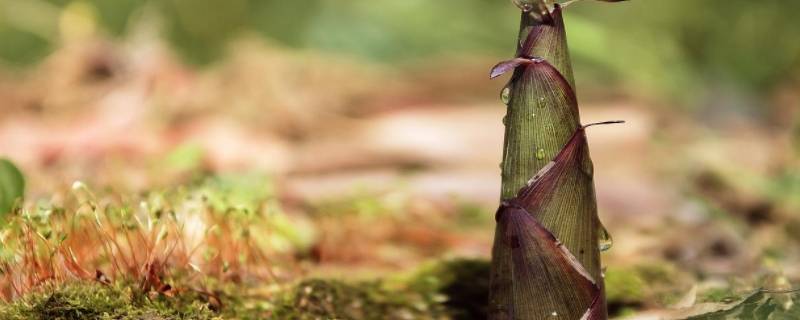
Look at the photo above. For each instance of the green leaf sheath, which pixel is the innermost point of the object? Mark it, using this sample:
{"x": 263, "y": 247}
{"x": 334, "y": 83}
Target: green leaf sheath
{"x": 539, "y": 265}
{"x": 533, "y": 123}
{"x": 535, "y": 275}
{"x": 543, "y": 125}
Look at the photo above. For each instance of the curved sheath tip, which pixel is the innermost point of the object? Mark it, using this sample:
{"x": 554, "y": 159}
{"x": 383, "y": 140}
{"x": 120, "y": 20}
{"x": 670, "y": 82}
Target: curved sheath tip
{"x": 603, "y": 123}
{"x": 506, "y": 66}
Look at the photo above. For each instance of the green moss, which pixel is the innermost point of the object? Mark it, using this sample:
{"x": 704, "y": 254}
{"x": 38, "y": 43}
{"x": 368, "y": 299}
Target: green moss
{"x": 462, "y": 286}
{"x": 623, "y": 285}
{"x": 633, "y": 288}
{"x": 724, "y": 294}
{"x": 93, "y": 301}
{"x": 453, "y": 289}
{"x": 332, "y": 299}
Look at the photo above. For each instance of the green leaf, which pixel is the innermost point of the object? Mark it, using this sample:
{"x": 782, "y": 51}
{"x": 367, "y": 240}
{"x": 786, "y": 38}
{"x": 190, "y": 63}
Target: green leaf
{"x": 12, "y": 186}
{"x": 758, "y": 305}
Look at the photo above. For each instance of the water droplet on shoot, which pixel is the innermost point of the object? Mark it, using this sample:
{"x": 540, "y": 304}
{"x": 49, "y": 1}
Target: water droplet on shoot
{"x": 505, "y": 95}
{"x": 588, "y": 169}
{"x": 540, "y": 154}
{"x": 504, "y": 120}
{"x": 604, "y": 240}
{"x": 542, "y": 103}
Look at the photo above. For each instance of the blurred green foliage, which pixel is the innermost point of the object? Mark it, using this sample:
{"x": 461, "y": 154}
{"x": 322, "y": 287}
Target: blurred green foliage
{"x": 12, "y": 187}
{"x": 683, "y": 48}
{"x": 677, "y": 49}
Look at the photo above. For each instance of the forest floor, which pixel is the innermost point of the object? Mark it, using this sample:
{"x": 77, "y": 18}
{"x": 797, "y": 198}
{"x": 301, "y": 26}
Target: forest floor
{"x": 277, "y": 182}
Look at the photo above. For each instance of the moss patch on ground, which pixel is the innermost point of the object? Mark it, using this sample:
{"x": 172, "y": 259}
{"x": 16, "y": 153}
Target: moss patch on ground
{"x": 332, "y": 299}
{"x": 96, "y": 301}
{"x": 449, "y": 289}
{"x": 453, "y": 289}
{"x": 460, "y": 285}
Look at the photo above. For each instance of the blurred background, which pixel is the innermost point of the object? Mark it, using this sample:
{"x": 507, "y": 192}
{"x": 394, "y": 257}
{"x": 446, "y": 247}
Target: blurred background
{"x": 375, "y": 128}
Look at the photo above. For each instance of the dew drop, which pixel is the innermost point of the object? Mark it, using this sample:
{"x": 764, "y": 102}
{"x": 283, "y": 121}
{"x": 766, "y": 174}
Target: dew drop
{"x": 604, "y": 240}
{"x": 531, "y": 116}
{"x": 505, "y": 95}
{"x": 540, "y": 154}
{"x": 505, "y": 120}
{"x": 554, "y": 314}
{"x": 588, "y": 169}
{"x": 542, "y": 103}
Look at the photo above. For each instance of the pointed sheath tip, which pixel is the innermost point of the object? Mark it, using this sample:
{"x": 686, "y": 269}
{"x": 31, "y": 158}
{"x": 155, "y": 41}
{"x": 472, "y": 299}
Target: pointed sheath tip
{"x": 501, "y": 68}
{"x": 498, "y": 70}
{"x": 597, "y": 310}
{"x": 506, "y": 66}
{"x": 570, "y": 2}
{"x": 602, "y": 123}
